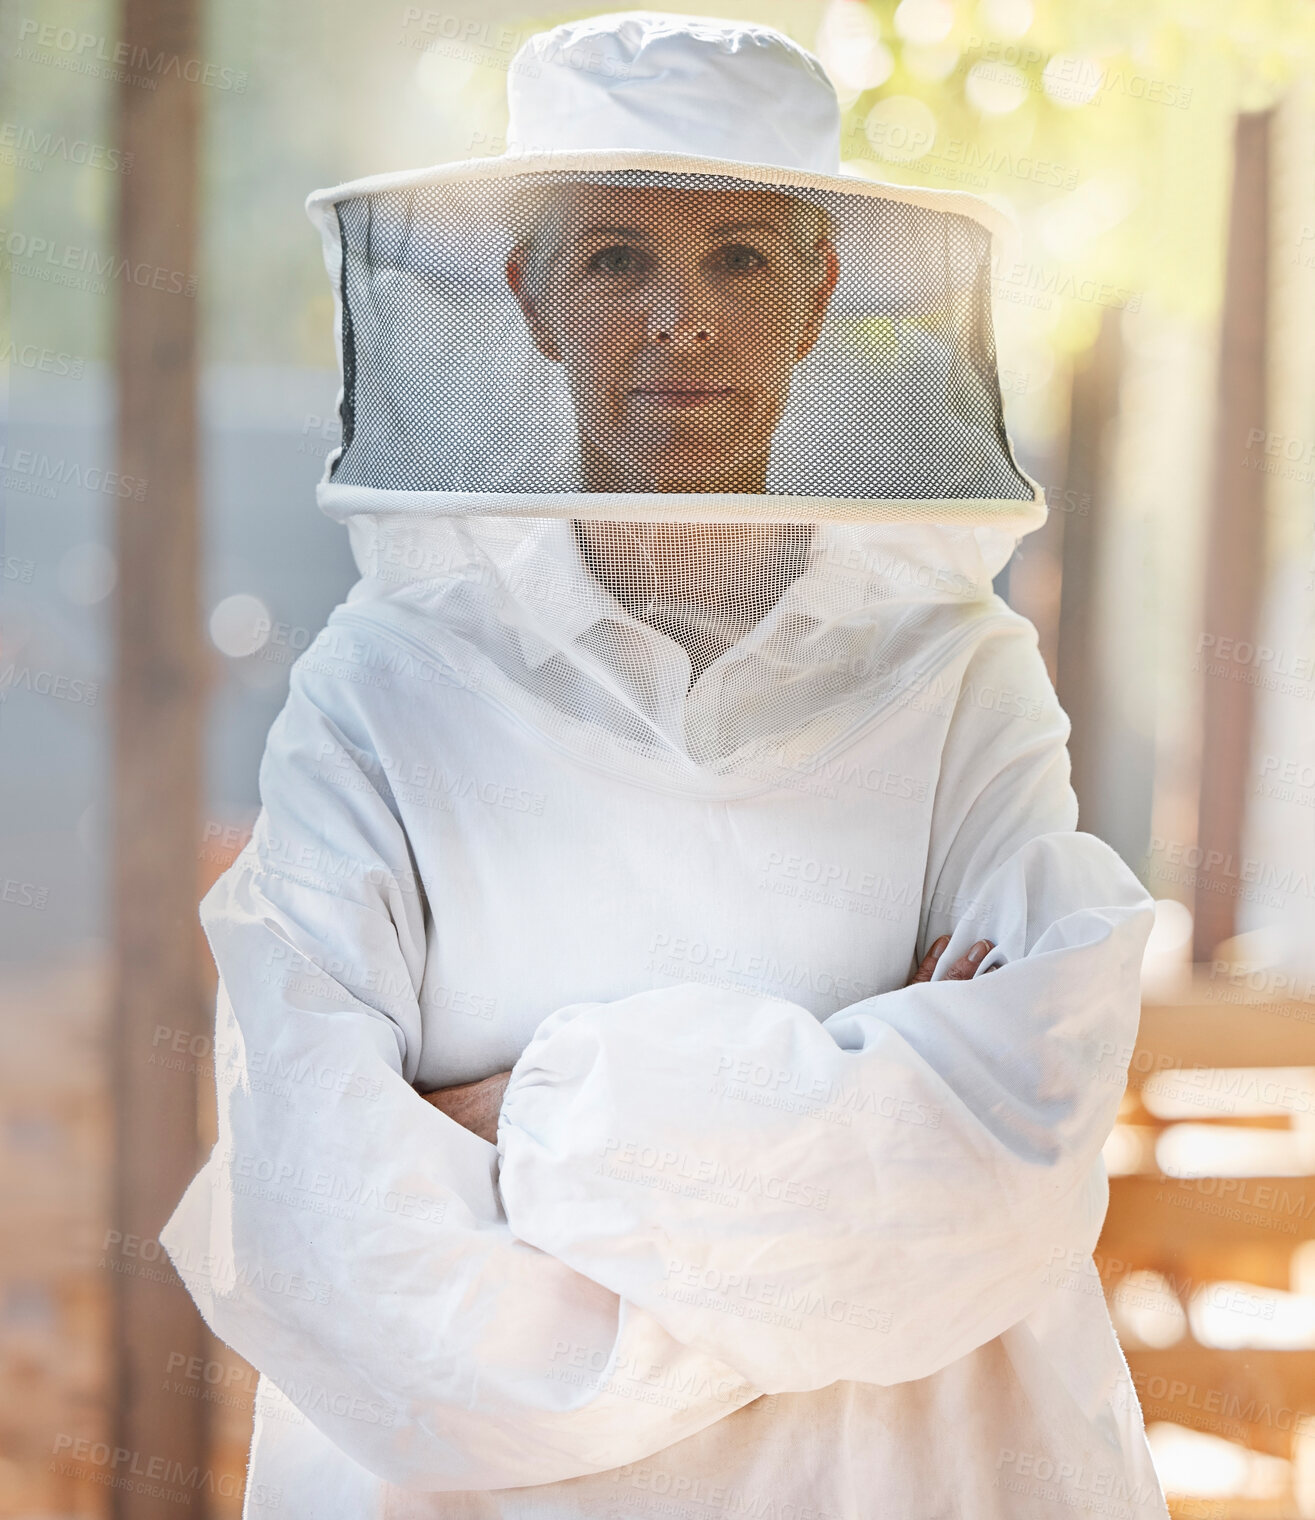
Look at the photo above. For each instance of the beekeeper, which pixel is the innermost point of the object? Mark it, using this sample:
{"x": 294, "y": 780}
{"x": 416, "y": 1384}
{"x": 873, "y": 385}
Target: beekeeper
{"x": 668, "y": 399}
{"x": 613, "y": 1120}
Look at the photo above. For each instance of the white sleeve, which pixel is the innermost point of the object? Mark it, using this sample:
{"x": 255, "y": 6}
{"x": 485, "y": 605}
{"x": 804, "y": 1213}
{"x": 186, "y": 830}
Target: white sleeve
{"x": 874, "y": 1195}
{"x": 345, "y": 1236}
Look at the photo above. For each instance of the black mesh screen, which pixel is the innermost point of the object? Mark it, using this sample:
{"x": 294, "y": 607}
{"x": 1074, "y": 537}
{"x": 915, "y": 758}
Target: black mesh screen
{"x": 641, "y": 331}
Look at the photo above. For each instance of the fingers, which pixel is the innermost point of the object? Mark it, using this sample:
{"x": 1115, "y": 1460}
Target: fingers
{"x": 928, "y": 963}
{"x": 963, "y": 970}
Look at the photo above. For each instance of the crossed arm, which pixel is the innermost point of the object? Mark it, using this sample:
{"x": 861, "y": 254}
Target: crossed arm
{"x": 477, "y": 1105}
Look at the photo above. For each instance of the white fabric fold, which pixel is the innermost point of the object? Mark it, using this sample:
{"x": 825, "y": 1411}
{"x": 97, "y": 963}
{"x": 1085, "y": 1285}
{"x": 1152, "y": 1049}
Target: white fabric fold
{"x": 870, "y": 1197}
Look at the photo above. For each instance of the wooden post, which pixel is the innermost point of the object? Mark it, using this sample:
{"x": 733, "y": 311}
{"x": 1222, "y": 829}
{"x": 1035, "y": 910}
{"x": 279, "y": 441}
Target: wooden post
{"x": 157, "y": 748}
{"x": 1236, "y": 548}
{"x": 1093, "y": 405}
{"x": 1034, "y": 574}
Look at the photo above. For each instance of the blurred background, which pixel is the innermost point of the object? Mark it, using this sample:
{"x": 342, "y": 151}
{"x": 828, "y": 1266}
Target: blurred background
{"x": 167, "y": 395}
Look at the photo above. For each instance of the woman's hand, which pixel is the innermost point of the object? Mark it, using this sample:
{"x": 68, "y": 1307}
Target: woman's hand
{"x": 474, "y": 1105}
{"x": 962, "y": 970}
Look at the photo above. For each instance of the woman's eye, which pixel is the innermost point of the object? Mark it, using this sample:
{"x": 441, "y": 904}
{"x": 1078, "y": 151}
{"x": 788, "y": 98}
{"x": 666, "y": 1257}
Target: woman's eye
{"x": 614, "y": 261}
{"x": 739, "y": 257}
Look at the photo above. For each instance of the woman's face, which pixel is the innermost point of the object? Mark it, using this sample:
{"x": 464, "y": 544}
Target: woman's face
{"x": 679, "y": 316}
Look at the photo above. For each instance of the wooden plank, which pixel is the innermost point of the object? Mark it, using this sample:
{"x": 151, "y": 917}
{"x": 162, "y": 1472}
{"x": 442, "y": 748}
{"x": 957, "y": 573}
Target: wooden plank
{"x": 1252, "y": 1397}
{"x": 157, "y": 739}
{"x": 1150, "y": 1128}
{"x": 1166, "y": 1218}
{"x": 1187, "y": 1267}
{"x": 1236, "y": 549}
{"x": 1218, "y": 1024}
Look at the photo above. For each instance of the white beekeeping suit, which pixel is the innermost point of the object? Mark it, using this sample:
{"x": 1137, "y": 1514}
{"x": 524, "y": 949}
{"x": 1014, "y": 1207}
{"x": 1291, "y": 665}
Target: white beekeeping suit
{"x": 671, "y": 721}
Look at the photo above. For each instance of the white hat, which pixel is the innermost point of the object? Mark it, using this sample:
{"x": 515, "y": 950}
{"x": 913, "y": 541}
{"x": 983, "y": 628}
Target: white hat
{"x": 726, "y": 90}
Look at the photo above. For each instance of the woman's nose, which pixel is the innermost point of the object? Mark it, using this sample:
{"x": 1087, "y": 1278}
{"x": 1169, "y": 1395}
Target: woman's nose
{"x": 680, "y": 332}
{"x": 676, "y": 320}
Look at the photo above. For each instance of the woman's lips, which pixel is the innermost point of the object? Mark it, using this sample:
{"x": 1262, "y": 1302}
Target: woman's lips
{"x": 682, "y": 395}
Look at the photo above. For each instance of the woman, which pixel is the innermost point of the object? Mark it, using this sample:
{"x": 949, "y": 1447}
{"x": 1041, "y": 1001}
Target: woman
{"x": 672, "y": 724}
{"x": 620, "y": 287}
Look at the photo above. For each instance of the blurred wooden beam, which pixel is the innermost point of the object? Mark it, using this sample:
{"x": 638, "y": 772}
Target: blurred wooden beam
{"x": 1034, "y": 574}
{"x": 1235, "y": 556}
{"x": 1209, "y": 1032}
{"x": 1121, "y": 1251}
{"x": 1188, "y": 1216}
{"x": 1253, "y": 1397}
{"x": 1094, "y": 400}
{"x": 157, "y": 736}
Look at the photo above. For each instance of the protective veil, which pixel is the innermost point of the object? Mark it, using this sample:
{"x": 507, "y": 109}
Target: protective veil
{"x": 671, "y": 720}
